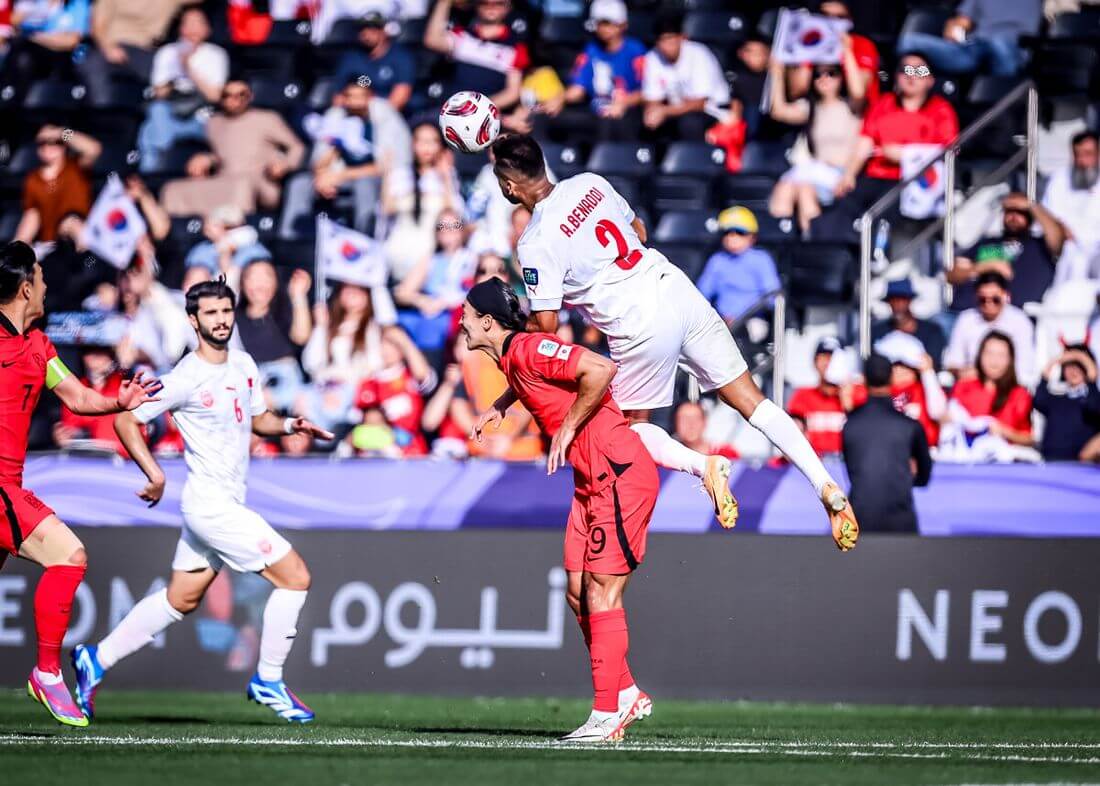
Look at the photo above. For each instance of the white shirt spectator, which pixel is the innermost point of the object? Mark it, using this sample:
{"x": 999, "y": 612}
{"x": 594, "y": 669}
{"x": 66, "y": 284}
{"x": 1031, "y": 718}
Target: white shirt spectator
{"x": 695, "y": 74}
{"x": 1077, "y": 209}
{"x": 971, "y": 328}
{"x": 209, "y": 62}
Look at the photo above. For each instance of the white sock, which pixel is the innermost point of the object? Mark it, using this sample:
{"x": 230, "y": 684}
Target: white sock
{"x": 280, "y": 628}
{"x": 628, "y": 696}
{"x": 777, "y": 426}
{"x": 146, "y": 619}
{"x": 669, "y": 453}
{"x": 598, "y": 715}
{"x": 47, "y": 677}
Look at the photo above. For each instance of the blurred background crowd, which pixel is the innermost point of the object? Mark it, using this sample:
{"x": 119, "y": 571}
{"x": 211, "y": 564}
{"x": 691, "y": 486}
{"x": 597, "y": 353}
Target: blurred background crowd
{"x": 231, "y": 125}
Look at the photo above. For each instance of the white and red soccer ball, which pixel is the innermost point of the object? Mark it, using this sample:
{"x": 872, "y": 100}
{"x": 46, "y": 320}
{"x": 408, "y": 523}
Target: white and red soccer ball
{"x": 470, "y": 122}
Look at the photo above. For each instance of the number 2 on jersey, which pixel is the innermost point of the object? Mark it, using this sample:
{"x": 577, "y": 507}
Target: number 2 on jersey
{"x": 606, "y": 231}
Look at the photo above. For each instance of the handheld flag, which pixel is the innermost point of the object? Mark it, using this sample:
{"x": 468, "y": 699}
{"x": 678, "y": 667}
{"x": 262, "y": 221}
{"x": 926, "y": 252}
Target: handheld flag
{"x": 114, "y": 226}
{"x": 801, "y": 37}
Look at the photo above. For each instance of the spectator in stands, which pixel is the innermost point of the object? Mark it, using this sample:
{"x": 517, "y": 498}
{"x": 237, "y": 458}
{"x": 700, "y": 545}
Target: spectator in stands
{"x": 436, "y": 287}
{"x": 388, "y": 67}
{"x": 994, "y": 312}
{"x": 252, "y": 151}
{"x": 44, "y": 35}
{"x": 1070, "y": 404}
{"x": 188, "y": 74}
{"x": 862, "y": 50}
{"x": 690, "y": 426}
{"x": 1027, "y": 261}
{"x": 914, "y": 385}
{"x": 230, "y": 245}
{"x": 103, "y": 375}
{"x": 899, "y": 296}
{"x": 824, "y": 408}
{"x": 250, "y": 21}
{"x": 159, "y": 329}
{"x": 750, "y": 75}
{"x": 448, "y": 413}
{"x": 683, "y": 85}
{"x": 488, "y": 57}
{"x": 71, "y": 272}
{"x": 608, "y": 76}
{"x": 60, "y": 184}
{"x": 991, "y": 402}
{"x": 910, "y": 115}
{"x": 125, "y": 33}
{"x": 983, "y": 35}
{"x": 413, "y": 198}
{"x": 739, "y": 274}
{"x": 832, "y": 116}
{"x": 397, "y": 391}
{"x": 1073, "y": 197}
{"x": 886, "y": 455}
{"x": 359, "y": 136}
{"x": 273, "y": 324}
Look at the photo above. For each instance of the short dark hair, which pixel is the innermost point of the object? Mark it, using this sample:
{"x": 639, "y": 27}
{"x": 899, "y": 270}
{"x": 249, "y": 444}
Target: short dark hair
{"x": 216, "y": 288}
{"x": 991, "y": 277}
{"x": 519, "y": 153}
{"x": 876, "y": 371}
{"x": 1087, "y": 135}
{"x": 670, "y": 22}
{"x": 16, "y": 266}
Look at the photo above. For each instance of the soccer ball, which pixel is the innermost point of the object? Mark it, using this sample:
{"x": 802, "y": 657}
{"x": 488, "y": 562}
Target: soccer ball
{"x": 470, "y": 122}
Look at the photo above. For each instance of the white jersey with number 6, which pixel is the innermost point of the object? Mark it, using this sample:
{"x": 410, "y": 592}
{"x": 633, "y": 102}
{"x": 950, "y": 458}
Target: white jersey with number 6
{"x": 581, "y": 249}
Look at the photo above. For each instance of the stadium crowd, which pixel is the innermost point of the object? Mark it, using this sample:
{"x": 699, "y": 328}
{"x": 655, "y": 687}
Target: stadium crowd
{"x": 232, "y": 124}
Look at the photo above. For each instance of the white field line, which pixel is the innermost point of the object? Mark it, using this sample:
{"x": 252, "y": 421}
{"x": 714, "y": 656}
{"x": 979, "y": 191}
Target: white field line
{"x": 824, "y": 749}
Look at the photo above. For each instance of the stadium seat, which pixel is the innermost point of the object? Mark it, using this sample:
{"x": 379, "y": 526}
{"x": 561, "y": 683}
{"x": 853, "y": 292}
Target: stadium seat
{"x": 687, "y": 171}
{"x": 820, "y": 274}
{"x": 687, "y": 227}
{"x": 320, "y": 95}
{"x": 693, "y": 158}
{"x": 715, "y": 28}
{"x": 752, "y": 191}
{"x": 275, "y": 94}
{"x": 1081, "y": 26}
{"x": 622, "y": 158}
{"x": 629, "y": 189}
{"x": 640, "y": 25}
{"x": 412, "y": 33}
{"x": 266, "y": 226}
{"x": 344, "y": 34}
{"x": 692, "y": 6}
{"x": 688, "y": 258}
{"x": 775, "y": 231}
{"x": 1062, "y": 70}
{"x": 564, "y": 160}
{"x": 267, "y": 61}
{"x": 766, "y": 25}
{"x": 186, "y": 231}
{"x": 926, "y": 20}
{"x": 764, "y": 158}
{"x": 51, "y": 101}
{"x": 567, "y": 30}
{"x": 288, "y": 33}
{"x": 23, "y": 160}
{"x": 469, "y": 164}
{"x": 174, "y": 161}
{"x": 118, "y": 157}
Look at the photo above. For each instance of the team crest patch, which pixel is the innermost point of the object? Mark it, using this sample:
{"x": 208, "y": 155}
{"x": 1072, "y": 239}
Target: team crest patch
{"x": 530, "y": 277}
{"x": 548, "y": 348}
{"x": 207, "y": 399}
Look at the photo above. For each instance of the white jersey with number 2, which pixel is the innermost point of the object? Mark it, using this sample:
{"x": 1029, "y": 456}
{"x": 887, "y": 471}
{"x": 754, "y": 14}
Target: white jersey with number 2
{"x": 581, "y": 249}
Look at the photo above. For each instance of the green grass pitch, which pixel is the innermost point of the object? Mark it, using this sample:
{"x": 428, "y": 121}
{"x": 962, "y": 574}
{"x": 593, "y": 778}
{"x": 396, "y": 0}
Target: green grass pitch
{"x": 209, "y": 739}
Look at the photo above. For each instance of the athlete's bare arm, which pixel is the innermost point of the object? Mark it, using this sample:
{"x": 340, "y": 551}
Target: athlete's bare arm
{"x": 594, "y": 375}
{"x": 268, "y": 424}
{"x": 543, "y": 322}
{"x": 129, "y": 432}
{"x": 639, "y": 227}
{"x": 82, "y": 400}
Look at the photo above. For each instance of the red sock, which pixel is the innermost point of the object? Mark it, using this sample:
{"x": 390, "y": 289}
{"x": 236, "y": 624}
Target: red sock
{"x": 610, "y": 642}
{"x": 626, "y": 679}
{"x": 53, "y": 604}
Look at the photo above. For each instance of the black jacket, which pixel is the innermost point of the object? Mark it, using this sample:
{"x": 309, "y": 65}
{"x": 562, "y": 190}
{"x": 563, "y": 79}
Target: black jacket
{"x": 879, "y": 442}
{"x": 1072, "y": 420}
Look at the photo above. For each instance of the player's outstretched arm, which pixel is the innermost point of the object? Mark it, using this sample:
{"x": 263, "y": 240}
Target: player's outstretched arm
{"x": 594, "y": 375}
{"x": 268, "y": 424}
{"x": 129, "y": 433}
{"x": 82, "y": 400}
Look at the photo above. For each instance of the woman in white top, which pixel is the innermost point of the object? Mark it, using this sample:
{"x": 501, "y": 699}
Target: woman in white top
{"x": 832, "y": 116}
{"x": 413, "y": 198}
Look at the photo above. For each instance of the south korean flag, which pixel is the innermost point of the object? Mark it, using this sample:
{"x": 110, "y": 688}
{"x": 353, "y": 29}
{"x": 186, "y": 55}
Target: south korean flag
{"x": 924, "y": 197}
{"x": 114, "y": 226}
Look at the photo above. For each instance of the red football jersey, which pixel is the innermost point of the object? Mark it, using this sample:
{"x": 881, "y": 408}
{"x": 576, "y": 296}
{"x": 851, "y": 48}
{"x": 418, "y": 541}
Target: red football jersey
{"x": 26, "y": 359}
{"x": 542, "y": 372}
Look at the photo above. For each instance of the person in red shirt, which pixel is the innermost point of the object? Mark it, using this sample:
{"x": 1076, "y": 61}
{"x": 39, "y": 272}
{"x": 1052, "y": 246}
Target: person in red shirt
{"x": 30, "y": 529}
{"x": 995, "y": 394}
{"x": 690, "y": 425}
{"x": 565, "y": 388}
{"x": 908, "y": 116}
{"x": 825, "y": 408}
{"x": 863, "y": 49}
{"x": 101, "y": 374}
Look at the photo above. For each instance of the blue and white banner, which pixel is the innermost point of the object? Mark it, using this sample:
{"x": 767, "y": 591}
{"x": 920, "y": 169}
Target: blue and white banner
{"x": 115, "y": 225}
{"x": 348, "y": 256}
{"x": 924, "y": 197}
{"x": 801, "y": 37}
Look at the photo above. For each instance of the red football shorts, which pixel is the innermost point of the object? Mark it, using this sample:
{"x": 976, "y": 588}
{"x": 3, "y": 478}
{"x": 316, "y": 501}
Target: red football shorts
{"x": 606, "y": 532}
{"x": 20, "y": 513}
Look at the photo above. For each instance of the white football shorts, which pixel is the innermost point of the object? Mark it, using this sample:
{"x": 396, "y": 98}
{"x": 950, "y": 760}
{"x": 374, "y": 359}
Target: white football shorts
{"x": 226, "y": 532}
{"x": 674, "y": 327}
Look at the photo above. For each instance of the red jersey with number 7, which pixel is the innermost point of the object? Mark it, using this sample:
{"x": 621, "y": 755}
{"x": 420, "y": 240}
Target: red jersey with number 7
{"x": 27, "y": 362}
{"x": 542, "y": 373}
{"x": 581, "y": 248}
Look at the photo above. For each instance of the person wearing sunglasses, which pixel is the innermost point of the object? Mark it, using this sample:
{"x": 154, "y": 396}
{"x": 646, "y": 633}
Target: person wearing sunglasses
{"x": 993, "y": 312}
{"x": 861, "y": 49}
{"x": 59, "y": 185}
{"x": 738, "y": 274}
{"x": 983, "y": 36}
{"x": 1025, "y": 258}
{"x": 908, "y": 116}
{"x": 832, "y": 119}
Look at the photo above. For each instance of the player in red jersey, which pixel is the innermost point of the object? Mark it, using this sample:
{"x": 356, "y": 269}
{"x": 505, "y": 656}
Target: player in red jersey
{"x": 565, "y": 388}
{"x": 29, "y": 528}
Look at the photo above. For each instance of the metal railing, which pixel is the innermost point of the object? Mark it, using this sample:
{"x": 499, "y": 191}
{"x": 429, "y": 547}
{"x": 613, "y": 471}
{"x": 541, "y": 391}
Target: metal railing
{"x": 777, "y": 300}
{"x": 949, "y": 155}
